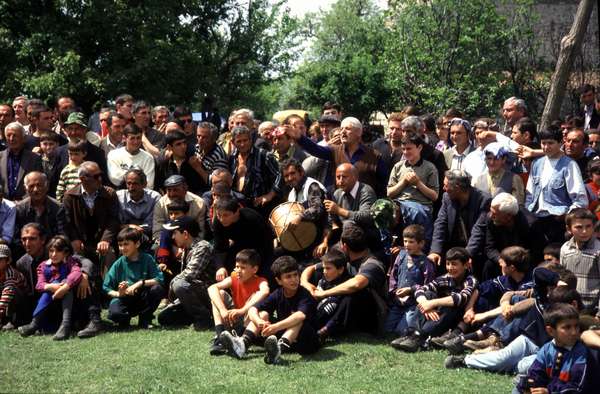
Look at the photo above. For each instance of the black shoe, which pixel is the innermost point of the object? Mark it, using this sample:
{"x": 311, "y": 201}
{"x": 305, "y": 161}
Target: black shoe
{"x": 453, "y": 362}
{"x": 28, "y": 329}
{"x": 410, "y": 344}
{"x": 438, "y": 342}
{"x": 64, "y": 332}
{"x": 273, "y": 350}
{"x": 217, "y": 348}
{"x": 93, "y": 328}
{"x": 455, "y": 346}
{"x": 145, "y": 323}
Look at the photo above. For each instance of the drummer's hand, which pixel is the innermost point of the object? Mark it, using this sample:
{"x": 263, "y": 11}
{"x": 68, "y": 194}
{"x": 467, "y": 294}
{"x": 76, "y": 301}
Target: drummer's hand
{"x": 331, "y": 207}
{"x": 263, "y": 200}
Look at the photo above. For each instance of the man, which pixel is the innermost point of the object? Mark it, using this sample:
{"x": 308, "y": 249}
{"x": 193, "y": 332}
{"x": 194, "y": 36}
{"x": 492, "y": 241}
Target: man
{"x": 371, "y": 168}
{"x": 91, "y": 214}
{"x": 255, "y": 172}
{"x": 124, "y": 105}
{"x": 76, "y": 129}
{"x": 190, "y": 287}
{"x": 42, "y": 121}
{"x": 363, "y": 309}
{"x": 114, "y": 139}
{"x": 505, "y": 225}
{"x": 152, "y": 140}
{"x": 209, "y": 155}
{"x": 7, "y": 218}
{"x": 238, "y": 228}
{"x": 178, "y": 163}
{"x": 38, "y": 207}
{"x": 137, "y": 202}
{"x": 128, "y": 156}
{"x": 326, "y": 124}
{"x": 16, "y": 161}
{"x": 589, "y": 112}
{"x": 352, "y": 198}
{"x": 283, "y": 149}
{"x": 160, "y": 117}
{"x": 512, "y": 110}
{"x": 332, "y": 109}
{"x": 20, "y": 108}
{"x": 461, "y": 207}
{"x": 177, "y": 189}
{"x": 576, "y": 147}
{"x": 184, "y": 116}
{"x": 460, "y": 135}
{"x": 7, "y": 115}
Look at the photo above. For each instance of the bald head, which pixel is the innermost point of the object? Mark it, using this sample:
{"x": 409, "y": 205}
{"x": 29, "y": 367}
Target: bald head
{"x": 346, "y": 177}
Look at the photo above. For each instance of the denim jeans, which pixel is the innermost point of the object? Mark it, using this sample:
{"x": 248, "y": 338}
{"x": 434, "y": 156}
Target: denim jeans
{"x": 397, "y": 319}
{"x": 504, "y": 360}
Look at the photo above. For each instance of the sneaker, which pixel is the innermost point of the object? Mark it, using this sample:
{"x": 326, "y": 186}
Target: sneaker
{"x": 28, "y": 329}
{"x": 453, "y": 362}
{"x": 8, "y": 327}
{"x": 489, "y": 341}
{"x": 455, "y": 346}
{"x": 63, "y": 332}
{"x": 438, "y": 342}
{"x": 217, "y": 348}
{"x": 273, "y": 350}
{"x": 410, "y": 344}
{"x": 235, "y": 345}
{"x": 93, "y": 328}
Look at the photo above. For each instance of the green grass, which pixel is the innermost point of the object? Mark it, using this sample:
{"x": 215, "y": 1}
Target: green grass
{"x": 161, "y": 360}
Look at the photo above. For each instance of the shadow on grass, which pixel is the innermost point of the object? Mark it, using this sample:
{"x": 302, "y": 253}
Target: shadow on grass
{"x": 324, "y": 354}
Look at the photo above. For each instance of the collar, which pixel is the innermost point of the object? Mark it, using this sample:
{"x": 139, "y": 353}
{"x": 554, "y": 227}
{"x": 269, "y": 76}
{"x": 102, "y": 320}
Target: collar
{"x": 142, "y": 200}
{"x": 15, "y": 155}
{"x": 354, "y": 190}
{"x": 301, "y": 183}
{"x": 361, "y": 149}
{"x": 85, "y": 193}
{"x": 417, "y": 164}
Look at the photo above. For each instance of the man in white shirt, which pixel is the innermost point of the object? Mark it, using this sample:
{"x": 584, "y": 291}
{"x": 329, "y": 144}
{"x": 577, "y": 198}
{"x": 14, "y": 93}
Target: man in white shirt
{"x": 120, "y": 160}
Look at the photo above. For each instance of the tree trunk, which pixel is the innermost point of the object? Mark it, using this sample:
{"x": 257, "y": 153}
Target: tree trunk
{"x": 569, "y": 46}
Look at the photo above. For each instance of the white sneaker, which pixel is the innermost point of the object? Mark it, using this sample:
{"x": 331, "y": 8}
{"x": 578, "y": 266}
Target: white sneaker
{"x": 235, "y": 345}
{"x": 273, "y": 350}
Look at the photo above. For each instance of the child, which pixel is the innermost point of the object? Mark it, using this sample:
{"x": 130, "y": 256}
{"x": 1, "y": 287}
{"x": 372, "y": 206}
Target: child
{"x": 333, "y": 269}
{"x": 230, "y": 310}
{"x": 134, "y": 282}
{"x": 440, "y": 303}
{"x": 12, "y": 285}
{"x": 57, "y": 277}
{"x": 410, "y": 270}
{"x": 552, "y": 253}
{"x": 285, "y": 318}
{"x": 581, "y": 255}
{"x": 560, "y": 365}
{"x": 165, "y": 255}
{"x": 69, "y": 176}
{"x": 48, "y": 144}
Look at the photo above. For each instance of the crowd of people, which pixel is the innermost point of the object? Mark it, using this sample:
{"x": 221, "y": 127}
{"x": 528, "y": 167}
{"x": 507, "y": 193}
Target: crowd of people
{"x": 478, "y": 237}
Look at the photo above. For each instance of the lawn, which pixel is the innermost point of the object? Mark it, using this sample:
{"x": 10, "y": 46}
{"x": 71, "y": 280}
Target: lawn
{"x": 159, "y": 360}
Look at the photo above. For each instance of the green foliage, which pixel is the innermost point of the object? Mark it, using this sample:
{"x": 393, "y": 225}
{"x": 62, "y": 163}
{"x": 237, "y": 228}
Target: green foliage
{"x": 163, "y": 51}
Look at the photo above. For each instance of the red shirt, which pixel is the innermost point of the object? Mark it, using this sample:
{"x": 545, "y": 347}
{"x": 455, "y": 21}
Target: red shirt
{"x": 240, "y": 292}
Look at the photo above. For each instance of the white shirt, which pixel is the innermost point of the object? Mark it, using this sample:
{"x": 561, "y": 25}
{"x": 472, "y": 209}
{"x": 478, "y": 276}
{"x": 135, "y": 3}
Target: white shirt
{"x": 301, "y": 197}
{"x": 119, "y": 161}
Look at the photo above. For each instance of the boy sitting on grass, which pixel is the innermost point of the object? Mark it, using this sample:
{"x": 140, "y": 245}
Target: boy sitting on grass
{"x": 411, "y": 269}
{"x": 440, "y": 303}
{"x": 285, "y": 318}
{"x": 230, "y": 310}
{"x": 560, "y": 365}
{"x": 134, "y": 282}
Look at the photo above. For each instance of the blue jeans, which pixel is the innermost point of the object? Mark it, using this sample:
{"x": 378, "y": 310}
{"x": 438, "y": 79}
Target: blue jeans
{"x": 504, "y": 360}
{"x": 397, "y": 319}
{"x": 416, "y": 213}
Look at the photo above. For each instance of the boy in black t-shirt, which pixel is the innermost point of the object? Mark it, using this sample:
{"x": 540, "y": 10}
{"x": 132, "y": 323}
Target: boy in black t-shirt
{"x": 285, "y": 318}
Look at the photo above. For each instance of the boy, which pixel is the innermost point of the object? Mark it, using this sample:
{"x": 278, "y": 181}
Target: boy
{"x": 552, "y": 253}
{"x": 69, "y": 176}
{"x": 333, "y": 271}
{"x": 247, "y": 289}
{"x": 134, "y": 282}
{"x": 560, "y": 365}
{"x": 12, "y": 285}
{"x": 440, "y": 303}
{"x": 581, "y": 255}
{"x": 164, "y": 255}
{"x": 48, "y": 144}
{"x": 288, "y": 314}
{"x": 410, "y": 270}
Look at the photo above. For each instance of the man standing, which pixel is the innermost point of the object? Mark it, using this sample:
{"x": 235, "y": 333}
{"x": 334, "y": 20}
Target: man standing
{"x": 7, "y": 115}
{"x": 460, "y": 135}
{"x": 589, "y": 113}
{"x": 152, "y": 139}
{"x": 512, "y": 110}
{"x": 178, "y": 164}
{"x": 209, "y": 155}
{"x": 131, "y": 155}
{"x": 114, "y": 139}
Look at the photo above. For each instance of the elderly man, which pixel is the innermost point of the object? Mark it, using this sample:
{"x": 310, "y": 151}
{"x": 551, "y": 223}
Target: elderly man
{"x": 371, "y": 168}
{"x": 160, "y": 117}
{"x": 91, "y": 213}
{"x": 209, "y": 155}
{"x": 7, "y": 115}
{"x": 460, "y": 135}
{"x": 352, "y": 198}
{"x": 512, "y": 110}
{"x": 137, "y": 202}
{"x": 283, "y": 149}
{"x": 152, "y": 140}
{"x": 38, "y": 207}
{"x": 128, "y": 156}
{"x": 177, "y": 189}
{"x": 255, "y": 172}
{"x": 506, "y": 224}
{"x": 20, "y": 107}
{"x": 16, "y": 161}
{"x": 461, "y": 207}
{"x": 116, "y": 124}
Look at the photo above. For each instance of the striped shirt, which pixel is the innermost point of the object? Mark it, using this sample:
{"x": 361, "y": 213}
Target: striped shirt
{"x": 445, "y": 285}
{"x": 69, "y": 178}
{"x": 584, "y": 262}
{"x": 10, "y": 281}
{"x": 216, "y": 158}
{"x": 262, "y": 174}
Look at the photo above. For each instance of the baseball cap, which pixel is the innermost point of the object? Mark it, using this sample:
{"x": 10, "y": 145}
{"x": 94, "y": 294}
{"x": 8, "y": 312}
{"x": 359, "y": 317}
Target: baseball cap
{"x": 76, "y": 118}
{"x": 184, "y": 223}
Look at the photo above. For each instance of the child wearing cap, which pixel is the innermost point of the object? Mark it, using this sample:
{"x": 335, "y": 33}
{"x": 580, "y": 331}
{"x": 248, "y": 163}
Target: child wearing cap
{"x": 497, "y": 178}
{"x": 12, "y": 284}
